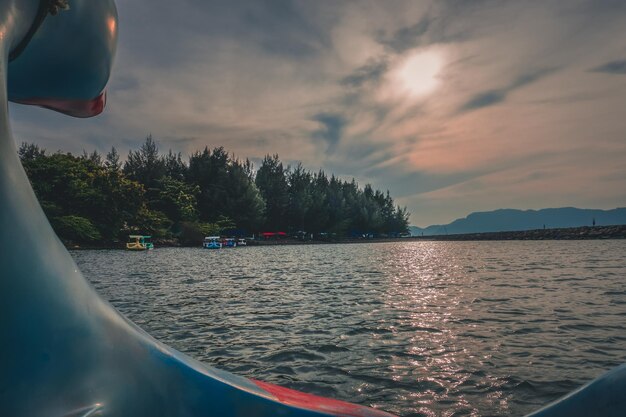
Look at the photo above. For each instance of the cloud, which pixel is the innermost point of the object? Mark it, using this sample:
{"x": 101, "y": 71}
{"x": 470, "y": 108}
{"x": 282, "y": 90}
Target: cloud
{"x": 407, "y": 37}
{"x": 368, "y": 73}
{"x": 485, "y": 99}
{"x": 493, "y": 97}
{"x": 612, "y": 67}
{"x": 283, "y": 28}
{"x": 332, "y": 126}
{"x": 531, "y": 77}
{"x": 317, "y": 81}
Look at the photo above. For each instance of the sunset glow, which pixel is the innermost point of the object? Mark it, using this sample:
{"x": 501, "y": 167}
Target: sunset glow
{"x": 417, "y": 73}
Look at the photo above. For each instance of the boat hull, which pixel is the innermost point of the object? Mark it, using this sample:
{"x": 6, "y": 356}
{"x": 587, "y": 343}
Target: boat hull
{"x": 212, "y": 246}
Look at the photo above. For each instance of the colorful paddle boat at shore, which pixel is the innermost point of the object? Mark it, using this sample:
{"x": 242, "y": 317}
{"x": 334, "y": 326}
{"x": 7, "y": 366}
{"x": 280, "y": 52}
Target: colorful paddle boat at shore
{"x": 212, "y": 242}
{"x": 229, "y": 242}
{"x": 67, "y": 352}
{"x": 139, "y": 243}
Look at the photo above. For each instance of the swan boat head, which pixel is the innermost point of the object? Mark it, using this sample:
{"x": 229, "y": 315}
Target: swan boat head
{"x": 63, "y": 61}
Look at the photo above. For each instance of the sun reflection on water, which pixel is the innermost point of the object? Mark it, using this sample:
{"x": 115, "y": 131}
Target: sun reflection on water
{"x": 417, "y": 329}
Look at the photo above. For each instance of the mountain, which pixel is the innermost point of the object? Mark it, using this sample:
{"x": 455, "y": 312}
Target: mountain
{"x": 504, "y": 220}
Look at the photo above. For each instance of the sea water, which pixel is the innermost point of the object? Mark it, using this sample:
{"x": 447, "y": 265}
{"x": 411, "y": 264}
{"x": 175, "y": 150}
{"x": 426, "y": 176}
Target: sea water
{"x": 415, "y": 328}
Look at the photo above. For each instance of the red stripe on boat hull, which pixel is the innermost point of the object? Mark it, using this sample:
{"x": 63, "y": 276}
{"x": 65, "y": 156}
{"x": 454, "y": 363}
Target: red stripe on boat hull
{"x": 313, "y": 402}
{"x": 76, "y": 108}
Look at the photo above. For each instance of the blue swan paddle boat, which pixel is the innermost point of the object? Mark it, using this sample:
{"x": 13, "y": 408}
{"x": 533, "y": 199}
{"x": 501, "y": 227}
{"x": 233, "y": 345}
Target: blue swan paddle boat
{"x": 64, "y": 352}
{"x": 212, "y": 242}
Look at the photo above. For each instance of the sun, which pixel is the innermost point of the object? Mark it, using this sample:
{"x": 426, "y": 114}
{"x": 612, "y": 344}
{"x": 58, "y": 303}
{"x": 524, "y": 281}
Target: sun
{"x": 417, "y": 74}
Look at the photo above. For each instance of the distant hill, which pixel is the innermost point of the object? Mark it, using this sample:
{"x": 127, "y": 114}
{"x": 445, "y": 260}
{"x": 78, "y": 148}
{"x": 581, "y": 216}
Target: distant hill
{"x": 505, "y": 220}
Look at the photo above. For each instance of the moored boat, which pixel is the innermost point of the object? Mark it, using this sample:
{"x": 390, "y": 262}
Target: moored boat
{"x": 139, "y": 243}
{"x": 229, "y": 243}
{"x": 212, "y": 242}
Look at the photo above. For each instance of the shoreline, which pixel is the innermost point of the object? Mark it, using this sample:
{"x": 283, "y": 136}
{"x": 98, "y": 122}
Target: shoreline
{"x": 570, "y": 233}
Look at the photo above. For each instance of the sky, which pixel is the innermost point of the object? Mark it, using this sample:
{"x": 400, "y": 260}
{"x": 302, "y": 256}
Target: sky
{"x": 454, "y": 106}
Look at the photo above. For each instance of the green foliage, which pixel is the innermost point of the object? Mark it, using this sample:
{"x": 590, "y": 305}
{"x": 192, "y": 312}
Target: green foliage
{"x": 112, "y": 161}
{"x": 75, "y": 186}
{"x": 76, "y": 229}
{"x": 223, "y": 224}
{"x": 271, "y": 180}
{"x": 145, "y": 165}
{"x": 225, "y": 187}
{"x": 151, "y": 222}
{"x": 90, "y": 198}
{"x": 30, "y": 152}
{"x": 209, "y": 229}
{"x": 177, "y": 200}
{"x": 193, "y": 232}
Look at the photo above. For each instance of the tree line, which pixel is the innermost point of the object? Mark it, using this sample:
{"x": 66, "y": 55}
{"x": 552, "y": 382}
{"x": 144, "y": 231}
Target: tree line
{"x": 91, "y": 198}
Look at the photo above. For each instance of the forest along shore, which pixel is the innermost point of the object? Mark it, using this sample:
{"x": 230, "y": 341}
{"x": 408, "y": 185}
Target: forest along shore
{"x": 91, "y": 200}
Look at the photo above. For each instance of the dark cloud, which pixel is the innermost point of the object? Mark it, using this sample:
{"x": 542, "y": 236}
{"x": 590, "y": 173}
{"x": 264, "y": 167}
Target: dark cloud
{"x": 531, "y": 77}
{"x": 287, "y": 28}
{"x": 370, "y": 72}
{"x": 332, "y": 125}
{"x": 610, "y": 8}
{"x": 484, "y": 99}
{"x": 407, "y": 37}
{"x": 364, "y": 154}
{"x": 613, "y": 67}
{"x": 160, "y": 33}
{"x": 496, "y": 96}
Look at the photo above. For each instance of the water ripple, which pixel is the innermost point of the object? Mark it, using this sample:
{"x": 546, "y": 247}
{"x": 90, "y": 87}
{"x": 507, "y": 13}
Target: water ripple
{"x": 418, "y": 329}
